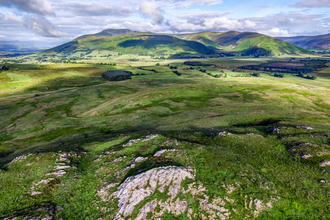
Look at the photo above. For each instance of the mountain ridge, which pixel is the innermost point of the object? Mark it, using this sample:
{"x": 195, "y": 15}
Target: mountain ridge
{"x": 125, "y": 41}
{"x": 319, "y": 42}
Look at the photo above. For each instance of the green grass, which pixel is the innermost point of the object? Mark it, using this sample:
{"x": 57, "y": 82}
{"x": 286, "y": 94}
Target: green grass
{"x": 70, "y": 108}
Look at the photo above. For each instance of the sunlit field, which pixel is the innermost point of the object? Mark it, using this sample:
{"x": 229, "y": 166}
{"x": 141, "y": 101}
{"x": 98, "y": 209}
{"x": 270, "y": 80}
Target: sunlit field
{"x": 248, "y": 147}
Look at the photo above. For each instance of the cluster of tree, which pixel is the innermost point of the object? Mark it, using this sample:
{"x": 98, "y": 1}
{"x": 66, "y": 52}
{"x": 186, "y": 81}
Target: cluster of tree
{"x": 307, "y": 76}
{"x": 117, "y": 75}
{"x": 218, "y": 75}
{"x": 193, "y": 56}
{"x": 255, "y": 74}
{"x": 299, "y": 68}
{"x": 110, "y": 64}
{"x": 173, "y": 67}
{"x": 108, "y": 55}
{"x": 280, "y": 75}
{"x": 243, "y": 75}
{"x": 177, "y": 73}
{"x": 196, "y": 63}
{"x": 303, "y": 66}
{"x": 152, "y": 70}
{"x": 133, "y": 60}
{"x": 64, "y": 61}
{"x": 4, "y": 68}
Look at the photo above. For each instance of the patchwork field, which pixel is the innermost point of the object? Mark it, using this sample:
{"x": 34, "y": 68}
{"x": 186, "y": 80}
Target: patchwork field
{"x": 164, "y": 144}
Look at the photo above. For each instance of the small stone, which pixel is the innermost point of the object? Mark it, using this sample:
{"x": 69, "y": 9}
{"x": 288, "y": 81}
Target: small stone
{"x": 35, "y": 193}
{"x": 325, "y": 163}
{"x": 159, "y": 153}
{"x": 140, "y": 159}
{"x": 305, "y": 156}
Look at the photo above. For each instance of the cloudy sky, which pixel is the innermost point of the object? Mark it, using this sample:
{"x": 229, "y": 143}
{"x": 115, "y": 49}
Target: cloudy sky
{"x": 50, "y": 22}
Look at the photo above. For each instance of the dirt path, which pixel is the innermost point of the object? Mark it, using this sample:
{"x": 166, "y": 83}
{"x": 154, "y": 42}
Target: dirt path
{"x": 100, "y": 107}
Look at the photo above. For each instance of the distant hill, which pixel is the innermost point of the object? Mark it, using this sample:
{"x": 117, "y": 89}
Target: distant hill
{"x": 247, "y": 43}
{"x": 321, "y": 42}
{"x": 128, "y": 42}
{"x": 17, "y": 47}
{"x": 196, "y": 45}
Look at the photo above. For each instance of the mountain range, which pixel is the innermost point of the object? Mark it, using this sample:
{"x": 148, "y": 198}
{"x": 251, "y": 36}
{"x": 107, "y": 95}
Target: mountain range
{"x": 318, "y": 43}
{"x": 124, "y": 41}
{"x": 191, "y": 45}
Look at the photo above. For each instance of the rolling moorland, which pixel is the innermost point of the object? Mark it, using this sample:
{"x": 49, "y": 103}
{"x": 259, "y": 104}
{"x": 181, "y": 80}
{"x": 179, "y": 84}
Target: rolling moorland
{"x": 216, "y": 138}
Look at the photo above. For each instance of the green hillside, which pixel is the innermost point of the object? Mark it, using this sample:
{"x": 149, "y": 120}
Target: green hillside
{"x": 247, "y": 43}
{"x": 128, "y": 42}
{"x": 321, "y": 42}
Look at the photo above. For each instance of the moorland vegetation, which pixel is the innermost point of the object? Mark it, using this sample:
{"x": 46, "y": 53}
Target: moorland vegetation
{"x": 182, "y": 139}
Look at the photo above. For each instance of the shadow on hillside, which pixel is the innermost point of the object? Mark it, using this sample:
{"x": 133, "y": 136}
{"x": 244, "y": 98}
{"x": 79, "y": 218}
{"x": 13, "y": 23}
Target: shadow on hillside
{"x": 71, "y": 143}
{"x": 155, "y": 41}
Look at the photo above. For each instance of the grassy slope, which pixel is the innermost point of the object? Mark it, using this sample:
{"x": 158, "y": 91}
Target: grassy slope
{"x": 312, "y": 43}
{"x": 243, "y": 41}
{"x": 130, "y": 43}
{"x": 76, "y": 110}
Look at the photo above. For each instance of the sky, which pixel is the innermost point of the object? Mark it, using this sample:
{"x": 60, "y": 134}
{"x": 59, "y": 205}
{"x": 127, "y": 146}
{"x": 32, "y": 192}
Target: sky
{"x": 51, "y": 22}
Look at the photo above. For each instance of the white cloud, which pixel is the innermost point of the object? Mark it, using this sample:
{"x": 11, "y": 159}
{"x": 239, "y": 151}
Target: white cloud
{"x": 11, "y": 18}
{"x": 188, "y": 3}
{"x": 276, "y": 32}
{"x": 141, "y": 26}
{"x": 112, "y": 26}
{"x": 41, "y": 7}
{"x": 151, "y": 10}
{"x": 194, "y": 15}
{"x": 43, "y": 27}
{"x": 96, "y": 8}
{"x": 2, "y": 36}
{"x": 313, "y": 3}
{"x": 216, "y": 24}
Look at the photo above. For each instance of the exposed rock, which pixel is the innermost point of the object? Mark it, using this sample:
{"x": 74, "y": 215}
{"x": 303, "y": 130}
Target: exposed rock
{"x": 224, "y": 133}
{"x": 104, "y": 191}
{"x": 305, "y": 156}
{"x": 44, "y": 211}
{"x": 134, "y": 141}
{"x": 131, "y": 142}
{"x": 305, "y": 127}
{"x": 256, "y": 206}
{"x": 140, "y": 159}
{"x": 21, "y": 158}
{"x": 150, "y": 137}
{"x": 45, "y": 181}
{"x": 137, "y": 188}
{"x": 325, "y": 163}
{"x": 119, "y": 159}
{"x": 58, "y": 173}
{"x": 62, "y": 167}
{"x": 276, "y": 130}
{"x": 149, "y": 207}
{"x": 159, "y": 153}
{"x": 35, "y": 193}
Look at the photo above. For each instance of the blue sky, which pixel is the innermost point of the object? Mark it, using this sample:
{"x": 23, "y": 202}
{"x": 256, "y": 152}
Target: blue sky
{"x": 50, "y": 22}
